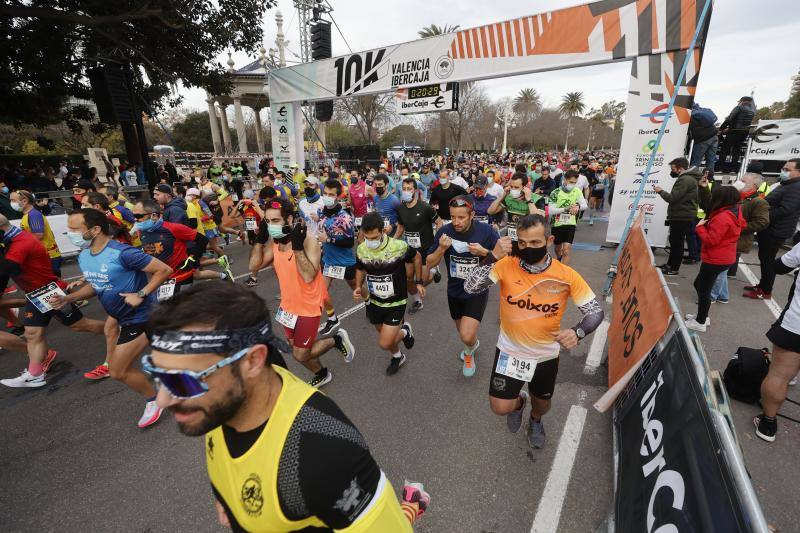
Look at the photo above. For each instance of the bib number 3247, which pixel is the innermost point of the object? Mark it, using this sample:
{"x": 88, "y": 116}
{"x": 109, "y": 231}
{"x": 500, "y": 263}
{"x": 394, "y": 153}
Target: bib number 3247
{"x": 515, "y": 367}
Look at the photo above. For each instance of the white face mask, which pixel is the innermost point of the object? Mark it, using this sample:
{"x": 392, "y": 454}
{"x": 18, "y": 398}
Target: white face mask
{"x": 328, "y": 201}
{"x": 784, "y": 175}
{"x": 374, "y": 244}
{"x": 443, "y": 181}
{"x": 515, "y": 193}
{"x": 569, "y": 186}
{"x": 15, "y": 206}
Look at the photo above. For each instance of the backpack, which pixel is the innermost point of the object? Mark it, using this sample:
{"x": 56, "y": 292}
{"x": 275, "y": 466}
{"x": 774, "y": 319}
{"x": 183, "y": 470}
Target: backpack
{"x": 704, "y": 116}
{"x": 745, "y": 371}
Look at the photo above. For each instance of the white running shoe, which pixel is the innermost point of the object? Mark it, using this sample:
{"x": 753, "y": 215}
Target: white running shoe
{"x": 152, "y": 412}
{"x": 696, "y": 326}
{"x": 690, "y": 316}
{"x": 25, "y": 380}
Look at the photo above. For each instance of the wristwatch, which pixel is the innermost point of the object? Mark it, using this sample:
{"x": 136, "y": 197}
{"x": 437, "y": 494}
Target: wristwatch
{"x": 579, "y": 332}
{"x": 141, "y": 293}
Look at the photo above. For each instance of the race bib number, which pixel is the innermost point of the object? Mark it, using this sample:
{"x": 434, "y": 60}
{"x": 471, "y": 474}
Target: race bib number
{"x": 564, "y": 218}
{"x": 358, "y": 221}
{"x": 515, "y": 367}
{"x": 250, "y": 224}
{"x": 166, "y": 290}
{"x": 386, "y": 222}
{"x": 512, "y": 231}
{"x": 461, "y": 267}
{"x": 336, "y": 272}
{"x": 42, "y": 296}
{"x": 413, "y": 239}
{"x": 235, "y": 197}
{"x": 381, "y": 286}
{"x": 286, "y": 318}
{"x": 485, "y": 220}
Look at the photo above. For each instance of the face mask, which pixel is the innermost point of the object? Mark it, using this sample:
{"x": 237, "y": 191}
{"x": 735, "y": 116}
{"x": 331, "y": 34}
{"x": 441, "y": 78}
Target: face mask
{"x": 784, "y": 175}
{"x": 4, "y": 189}
{"x": 277, "y": 182}
{"x": 740, "y": 186}
{"x": 15, "y": 206}
{"x": 532, "y": 255}
{"x": 77, "y": 239}
{"x": 145, "y": 225}
{"x": 380, "y": 190}
{"x": 276, "y": 231}
{"x": 515, "y": 193}
{"x": 309, "y": 191}
{"x": 673, "y": 174}
{"x": 406, "y": 196}
{"x": 460, "y": 247}
{"x": 480, "y": 193}
{"x": 248, "y": 194}
{"x": 328, "y": 202}
{"x": 443, "y": 181}
{"x": 354, "y": 179}
{"x": 374, "y": 244}
{"x": 569, "y": 186}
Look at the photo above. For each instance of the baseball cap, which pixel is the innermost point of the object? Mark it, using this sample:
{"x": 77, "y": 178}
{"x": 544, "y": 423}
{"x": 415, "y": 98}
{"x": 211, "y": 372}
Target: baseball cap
{"x": 481, "y": 182}
{"x": 194, "y": 191}
{"x": 383, "y": 165}
{"x": 311, "y": 179}
{"x": 163, "y": 187}
{"x": 294, "y": 165}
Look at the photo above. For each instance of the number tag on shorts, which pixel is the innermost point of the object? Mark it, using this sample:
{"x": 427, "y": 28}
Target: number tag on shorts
{"x": 336, "y": 272}
{"x": 166, "y": 290}
{"x": 358, "y": 221}
{"x": 413, "y": 239}
{"x": 461, "y": 267}
{"x": 250, "y": 224}
{"x": 386, "y": 222}
{"x": 512, "y": 231}
{"x": 564, "y": 218}
{"x": 41, "y": 297}
{"x": 485, "y": 220}
{"x": 286, "y": 318}
{"x": 381, "y": 286}
{"x": 515, "y": 367}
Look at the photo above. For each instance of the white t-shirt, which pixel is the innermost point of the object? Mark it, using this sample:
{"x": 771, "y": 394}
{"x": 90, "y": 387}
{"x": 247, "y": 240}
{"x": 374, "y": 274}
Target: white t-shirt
{"x": 495, "y": 189}
{"x": 791, "y": 319}
{"x": 583, "y": 182}
{"x": 310, "y": 210}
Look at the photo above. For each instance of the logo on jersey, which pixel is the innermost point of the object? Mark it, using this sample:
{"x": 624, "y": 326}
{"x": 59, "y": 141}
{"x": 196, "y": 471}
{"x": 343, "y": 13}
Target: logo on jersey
{"x": 530, "y": 305}
{"x": 210, "y": 447}
{"x": 252, "y": 497}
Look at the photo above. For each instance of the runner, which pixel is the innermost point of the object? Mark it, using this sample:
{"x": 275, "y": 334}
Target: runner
{"x": 389, "y": 267}
{"x": 117, "y": 274}
{"x": 295, "y": 255}
{"x": 174, "y": 208}
{"x": 462, "y": 243}
{"x": 416, "y": 220}
{"x": 565, "y": 203}
{"x": 533, "y": 297}
{"x": 35, "y": 222}
{"x": 517, "y": 201}
{"x": 25, "y": 260}
{"x": 281, "y": 455}
{"x": 357, "y": 194}
{"x": 202, "y": 220}
{"x": 482, "y": 200}
{"x": 311, "y": 204}
{"x": 385, "y": 203}
{"x": 446, "y": 191}
{"x": 337, "y": 235}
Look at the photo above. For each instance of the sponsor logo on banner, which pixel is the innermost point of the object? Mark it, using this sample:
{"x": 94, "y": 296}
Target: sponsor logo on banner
{"x": 357, "y": 71}
{"x": 658, "y": 114}
{"x": 776, "y": 140}
{"x": 427, "y": 99}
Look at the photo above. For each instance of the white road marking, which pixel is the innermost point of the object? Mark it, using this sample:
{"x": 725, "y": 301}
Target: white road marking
{"x": 549, "y": 512}
{"x": 596, "y": 348}
{"x": 771, "y": 304}
{"x": 347, "y": 312}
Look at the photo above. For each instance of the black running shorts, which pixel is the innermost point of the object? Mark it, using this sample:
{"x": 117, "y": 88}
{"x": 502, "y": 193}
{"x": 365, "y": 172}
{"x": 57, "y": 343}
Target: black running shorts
{"x": 541, "y": 386}
{"x": 470, "y": 307}
{"x": 563, "y": 234}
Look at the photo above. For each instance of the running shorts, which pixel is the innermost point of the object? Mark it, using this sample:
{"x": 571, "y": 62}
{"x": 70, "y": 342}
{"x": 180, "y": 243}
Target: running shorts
{"x": 349, "y": 271}
{"x": 563, "y": 234}
{"x": 390, "y": 316}
{"x": 783, "y": 338}
{"x": 541, "y": 386}
{"x": 470, "y": 307}
{"x": 32, "y": 317}
{"x": 304, "y": 333}
{"x": 131, "y": 332}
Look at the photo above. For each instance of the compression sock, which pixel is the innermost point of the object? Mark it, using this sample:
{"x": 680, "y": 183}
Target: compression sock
{"x": 35, "y": 369}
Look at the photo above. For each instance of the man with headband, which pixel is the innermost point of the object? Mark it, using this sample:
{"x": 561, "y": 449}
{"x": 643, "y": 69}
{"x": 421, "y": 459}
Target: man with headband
{"x": 281, "y": 456}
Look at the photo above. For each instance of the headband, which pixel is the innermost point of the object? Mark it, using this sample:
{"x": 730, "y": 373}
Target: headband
{"x": 218, "y": 341}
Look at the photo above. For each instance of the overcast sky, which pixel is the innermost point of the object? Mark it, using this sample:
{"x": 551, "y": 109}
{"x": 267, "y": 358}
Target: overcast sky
{"x": 750, "y": 47}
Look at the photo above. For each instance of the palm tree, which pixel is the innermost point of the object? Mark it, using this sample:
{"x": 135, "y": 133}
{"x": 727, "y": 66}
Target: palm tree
{"x": 527, "y": 105}
{"x": 431, "y": 31}
{"x": 571, "y": 106}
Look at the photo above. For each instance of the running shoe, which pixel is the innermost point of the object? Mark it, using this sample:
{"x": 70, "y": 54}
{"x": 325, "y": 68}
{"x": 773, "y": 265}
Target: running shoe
{"x": 25, "y": 380}
{"x": 414, "y": 492}
{"x": 437, "y": 276}
{"x": 477, "y": 345}
{"x": 321, "y": 378}
{"x": 750, "y": 288}
{"x": 251, "y": 282}
{"x": 225, "y": 263}
{"x": 696, "y": 326}
{"x": 536, "y": 434}
{"x": 469, "y": 365}
{"x": 395, "y": 364}
{"x": 416, "y": 307}
{"x": 514, "y": 418}
{"x": 667, "y": 271}
{"x": 766, "y": 429}
{"x": 48, "y": 359}
{"x": 757, "y": 294}
{"x": 97, "y": 373}
{"x": 721, "y": 301}
{"x": 326, "y": 329}
{"x": 152, "y": 412}
{"x": 690, "y": 316}
{"x": 408, "y": 340}
{"x": 342, "y": 341}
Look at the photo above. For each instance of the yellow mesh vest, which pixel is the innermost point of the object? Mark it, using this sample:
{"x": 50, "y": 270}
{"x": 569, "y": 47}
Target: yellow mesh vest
{"x": 249, "y": 484}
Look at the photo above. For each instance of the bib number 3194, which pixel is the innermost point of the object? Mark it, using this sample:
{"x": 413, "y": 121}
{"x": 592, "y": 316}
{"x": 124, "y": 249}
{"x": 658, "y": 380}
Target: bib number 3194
{"x": 286, "y": 318}
{"x": 514, "y": 367}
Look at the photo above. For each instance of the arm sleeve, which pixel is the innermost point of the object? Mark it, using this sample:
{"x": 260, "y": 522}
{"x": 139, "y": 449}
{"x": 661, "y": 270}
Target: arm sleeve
{"x": 134, "y": 258}
{"x": 8, "y": 269}
{"x": 481, "y": 278}
{"x": 788, "y": 261}
{"x": 35, "y": 221}
{"x": 592, "y": 316}
{"x": 200, "y": 245}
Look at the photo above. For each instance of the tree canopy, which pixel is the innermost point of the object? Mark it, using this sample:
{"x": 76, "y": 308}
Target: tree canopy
{"x": 48, "y": 46}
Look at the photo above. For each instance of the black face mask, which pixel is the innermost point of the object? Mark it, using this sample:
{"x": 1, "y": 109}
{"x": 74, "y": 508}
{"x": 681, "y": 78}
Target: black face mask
{"x": 674, "y": 174}
{"x": 529, "y": 254}
{"x": 310, "y": 191}
{"x": 354, "y": 179}
{"x": 380, "y": 190}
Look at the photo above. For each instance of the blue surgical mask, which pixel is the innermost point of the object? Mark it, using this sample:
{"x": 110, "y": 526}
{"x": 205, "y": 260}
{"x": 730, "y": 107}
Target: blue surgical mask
{"x": 77, "y": 239}
{"x": 406, "y": 196}
{"x": 784, "y": 175}
{"x": 276, "y": 231}
{"x": 328, "y": 202}
{"x": 4, "y": 189}
{"x": 146, "y": 225}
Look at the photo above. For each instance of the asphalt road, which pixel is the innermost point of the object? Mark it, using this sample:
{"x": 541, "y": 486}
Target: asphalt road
{"x": 73, "y": 459}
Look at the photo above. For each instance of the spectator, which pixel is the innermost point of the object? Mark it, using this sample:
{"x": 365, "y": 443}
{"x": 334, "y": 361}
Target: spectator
{"x": 736, "y": 128}
{"x": 5, "y": 203}
{"x": 681, "y": 212}
{"x": 174, "y": 207}
{"x": 719, "y": 234}
{"x": 755, "y": 211}
{"x": 703, "y": 132}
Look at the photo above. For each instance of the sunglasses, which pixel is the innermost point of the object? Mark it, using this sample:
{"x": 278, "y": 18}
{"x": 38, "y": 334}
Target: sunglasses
{"x": 186, "y": 384}
{"x": 460, "y": 202}
{"x": 140, "y": 216}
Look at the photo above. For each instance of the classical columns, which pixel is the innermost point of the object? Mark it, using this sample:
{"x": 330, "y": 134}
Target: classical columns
{"x": 226, "y": 131}
{"x": 212, "y": 119}
{"x": 240, "y": 131}
{"x": 259, "y": 132}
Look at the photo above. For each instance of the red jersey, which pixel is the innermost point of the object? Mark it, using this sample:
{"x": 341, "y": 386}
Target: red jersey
{"x": 29, "y": 253}
{"x": 167, "y": 242}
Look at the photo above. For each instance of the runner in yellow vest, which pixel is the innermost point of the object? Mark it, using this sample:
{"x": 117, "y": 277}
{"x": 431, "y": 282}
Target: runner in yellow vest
{"x": 287, "y": 458}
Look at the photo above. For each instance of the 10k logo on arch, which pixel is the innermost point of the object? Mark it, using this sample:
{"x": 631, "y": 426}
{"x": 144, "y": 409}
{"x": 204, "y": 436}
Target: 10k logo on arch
{"x": 351, "y": 70}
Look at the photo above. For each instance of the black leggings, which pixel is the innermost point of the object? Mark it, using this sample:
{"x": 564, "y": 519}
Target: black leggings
{"x": 768, "y": 247}
{"x": 703, "y": 284}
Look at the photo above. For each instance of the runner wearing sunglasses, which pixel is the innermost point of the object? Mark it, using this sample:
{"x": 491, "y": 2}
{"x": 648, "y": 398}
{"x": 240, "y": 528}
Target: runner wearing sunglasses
{"x": 296, "y": 256}
{"x": 462, "y": 244}
{"x": 281, "y": 456}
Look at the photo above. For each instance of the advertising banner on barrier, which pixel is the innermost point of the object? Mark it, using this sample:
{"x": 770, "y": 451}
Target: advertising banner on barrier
{"x": 597, "y": 32}
{"x": 671, "y": 474}
{"x": 287, "y": 135}
{"x": 775, "y": 140}
{"x": 426, "y": 99}
{"x": 640, "y": 311}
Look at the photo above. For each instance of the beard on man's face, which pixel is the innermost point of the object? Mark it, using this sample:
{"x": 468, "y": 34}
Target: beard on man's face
{"x": 215, "y": 414}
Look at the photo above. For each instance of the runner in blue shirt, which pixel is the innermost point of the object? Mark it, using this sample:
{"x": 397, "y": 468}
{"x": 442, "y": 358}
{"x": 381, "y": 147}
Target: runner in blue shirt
{"x": 385, "y": 202}
{"x": 337, "y": 234}
{"x": 117, "y": 274}
{"x": 463, "y": 244}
